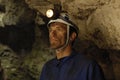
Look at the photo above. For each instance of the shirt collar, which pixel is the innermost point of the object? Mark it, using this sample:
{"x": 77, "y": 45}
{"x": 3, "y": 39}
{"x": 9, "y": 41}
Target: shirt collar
{"x": 61, "y": 61}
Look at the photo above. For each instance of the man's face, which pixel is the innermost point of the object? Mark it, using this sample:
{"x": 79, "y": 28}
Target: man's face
{"x": 57, "y": 35}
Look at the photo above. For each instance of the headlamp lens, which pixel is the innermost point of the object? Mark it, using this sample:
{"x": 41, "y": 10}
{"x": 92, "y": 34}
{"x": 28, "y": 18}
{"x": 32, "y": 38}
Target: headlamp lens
{"x": 49, "y": 13}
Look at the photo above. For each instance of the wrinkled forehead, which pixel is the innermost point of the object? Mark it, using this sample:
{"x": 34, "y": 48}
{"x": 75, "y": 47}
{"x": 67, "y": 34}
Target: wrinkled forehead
{"x": 58, "y": 24}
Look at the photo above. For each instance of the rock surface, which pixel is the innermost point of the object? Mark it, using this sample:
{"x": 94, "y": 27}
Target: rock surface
{"x": 16, "y": 12}
{"x": 24, "y": 46}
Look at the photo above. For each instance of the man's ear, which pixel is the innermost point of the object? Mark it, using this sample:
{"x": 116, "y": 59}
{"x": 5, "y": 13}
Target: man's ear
{"x": 73, "y": 36}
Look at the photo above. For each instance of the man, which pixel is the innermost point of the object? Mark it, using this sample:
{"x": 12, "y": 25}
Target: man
{"x": 68, "y": 64}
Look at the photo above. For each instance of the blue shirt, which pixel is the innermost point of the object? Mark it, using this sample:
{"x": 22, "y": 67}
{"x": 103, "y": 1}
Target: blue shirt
{"x": 74, "y": 67}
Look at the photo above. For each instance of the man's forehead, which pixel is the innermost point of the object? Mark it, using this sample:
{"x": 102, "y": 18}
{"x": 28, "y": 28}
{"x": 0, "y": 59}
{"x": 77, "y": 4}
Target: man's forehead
{"x": 58, "y": 24}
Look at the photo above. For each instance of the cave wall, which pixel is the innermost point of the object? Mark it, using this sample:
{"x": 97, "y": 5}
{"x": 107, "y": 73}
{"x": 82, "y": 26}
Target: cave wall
{"x": 24, "y": 36}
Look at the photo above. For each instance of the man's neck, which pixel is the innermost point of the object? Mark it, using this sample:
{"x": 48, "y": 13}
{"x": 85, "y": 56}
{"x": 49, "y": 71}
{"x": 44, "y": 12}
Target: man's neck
{"x": 63, "y": 52}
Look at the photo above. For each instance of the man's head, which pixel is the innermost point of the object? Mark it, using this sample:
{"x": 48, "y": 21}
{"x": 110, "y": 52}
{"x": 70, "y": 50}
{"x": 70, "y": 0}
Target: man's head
{"x": 62, "y": 32}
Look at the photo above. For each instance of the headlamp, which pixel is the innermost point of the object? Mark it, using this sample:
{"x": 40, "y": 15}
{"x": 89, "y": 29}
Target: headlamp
{"x": 49, "y": 13}
{"x": 54, "y": 12}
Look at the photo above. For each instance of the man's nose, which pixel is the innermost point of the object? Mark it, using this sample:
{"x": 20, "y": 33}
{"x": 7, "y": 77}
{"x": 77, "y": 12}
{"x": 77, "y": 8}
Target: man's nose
{"x": 53, "y": 33}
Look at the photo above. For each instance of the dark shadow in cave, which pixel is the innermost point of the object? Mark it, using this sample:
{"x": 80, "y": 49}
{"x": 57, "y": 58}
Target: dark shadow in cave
{"x": 44, "y": 34}
{"x": 19, "y": 38}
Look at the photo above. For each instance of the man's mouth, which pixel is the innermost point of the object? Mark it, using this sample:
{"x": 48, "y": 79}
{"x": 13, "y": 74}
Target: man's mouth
{"x": 53, "y": 39}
